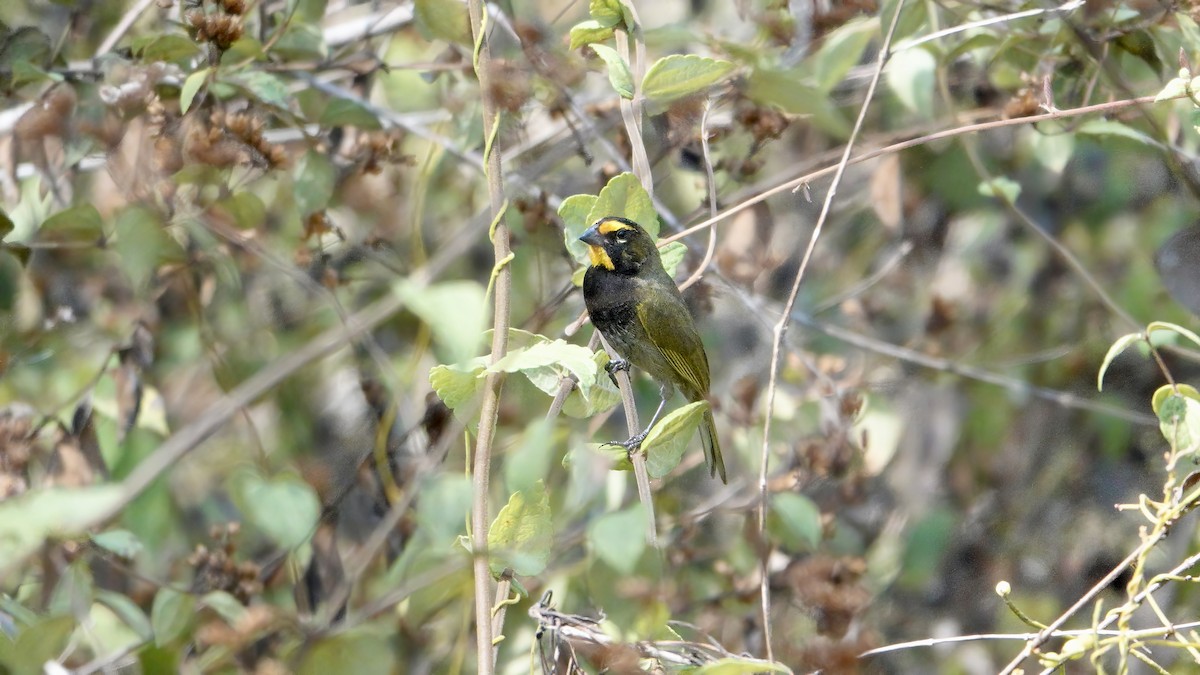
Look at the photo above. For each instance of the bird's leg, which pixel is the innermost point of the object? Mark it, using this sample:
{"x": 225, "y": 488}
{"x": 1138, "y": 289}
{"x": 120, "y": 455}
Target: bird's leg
{"x": 613, "y": 366}
{"x": 636, "y": 441}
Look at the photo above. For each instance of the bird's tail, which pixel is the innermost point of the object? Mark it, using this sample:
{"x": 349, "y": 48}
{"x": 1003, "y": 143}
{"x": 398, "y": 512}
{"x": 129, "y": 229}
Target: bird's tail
{"x": 712, "y": 446}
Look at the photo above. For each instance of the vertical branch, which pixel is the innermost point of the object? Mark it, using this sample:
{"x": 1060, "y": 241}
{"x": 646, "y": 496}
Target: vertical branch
{"x": 631, "y": 115}
{"x": 785, "y": 319}
{"x": 501, "y": 283}
{"x": 631, "y": 110}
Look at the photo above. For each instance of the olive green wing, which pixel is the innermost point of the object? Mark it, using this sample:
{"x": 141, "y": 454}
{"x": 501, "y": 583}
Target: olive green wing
{"x": 670, "y": 327}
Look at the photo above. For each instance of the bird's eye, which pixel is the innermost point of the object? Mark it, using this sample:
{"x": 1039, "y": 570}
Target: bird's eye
{"x": 622, "y": 236}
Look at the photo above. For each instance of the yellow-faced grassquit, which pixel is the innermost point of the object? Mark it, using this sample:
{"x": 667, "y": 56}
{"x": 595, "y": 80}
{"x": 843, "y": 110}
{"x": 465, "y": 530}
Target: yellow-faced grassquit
{"x": 638, "y": 309}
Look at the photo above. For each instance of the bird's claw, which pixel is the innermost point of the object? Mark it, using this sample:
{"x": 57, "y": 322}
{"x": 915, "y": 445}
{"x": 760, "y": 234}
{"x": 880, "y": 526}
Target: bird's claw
{"x": 612, "y": 367}
{"x": 630, "y": 445}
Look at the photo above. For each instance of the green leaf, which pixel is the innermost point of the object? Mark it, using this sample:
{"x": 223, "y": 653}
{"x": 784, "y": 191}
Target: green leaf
{"x": 530, "y": 461}
{"x": 74, "y": 592}
{"x": 607, "y": 13}
{"x": 624, "y": 196}
{"x": 668, "y": 438}
{"x": 583, "y": 402}
{"x": 673, "y": 77}
{"x": 1001, "y": 187}
{"x": 587, "y": 32}
{"x": 344, "y": 112}
{"x": 6, "y": 225}
{"x": 1179, "y": 421}
{"x": 574, "y": 211}
{"x": 521, "y": 536}
{"x": 455, "y": 312}
{"x": 788, "y": 91}
{"x": 739, "y": 665}
{"x": 445, "y": 506}
{"x": 267, "y": 88}
{"x": 1174, "y": 88}
{"x": 618, "y": 71}
{"x": 1114, "y": 351}
{"x": 172, "y": 615}
{"x": 314, "y": 177}
{"x": 27, "y": 520}
{"x": 308, "y": 10}
{"x": 246, "y": 209}
{"x": 142, "y": 244}
{"x": 552, "y": 356}
{"x": 1174, "y": 328}
{"x": 926, "y": 545}
{"x": 128, "y": 612}
{"x": 1164, "y": 392}
{"x": 224, "y": 604}
{"x": 444, "y": 20}
{"x": 1052, "y": 150}
{"x": 456, "y": 384}
{"x": 799, "y": 520}
{"x": 121, "y": 542}
{"x": 841, "y": 50}
{"x": 43, "y": 641}
{"x": 301, "y": 40}
{"x": 245, "y": 48}
{"x": 284, "y": 508}
{"x": 910, "y": 76}
{"x": 79, "y": 223}
{"x": 619, "y": 538}
{"x": 1097, "y": 127}
{"x": 170, "y": 47}
{"x": 26, "y": 51}
{"x": 356, "y": 651}
{"x": 191, "y": 87}
{"x": 672, "y": 255}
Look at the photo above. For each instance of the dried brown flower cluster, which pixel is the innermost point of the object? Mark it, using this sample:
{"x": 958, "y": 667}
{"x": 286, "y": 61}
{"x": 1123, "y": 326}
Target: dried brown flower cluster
{"x": 216, "y": 569}
{"x": 378, "y": 149}
{"x": 227, "y": 139}
{"x": 48, "y": 117}
{"x": 220, "y": 28}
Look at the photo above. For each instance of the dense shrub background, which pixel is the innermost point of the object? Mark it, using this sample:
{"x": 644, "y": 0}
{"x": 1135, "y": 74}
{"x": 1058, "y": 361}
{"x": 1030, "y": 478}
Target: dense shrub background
{"x": 237, "y": 236}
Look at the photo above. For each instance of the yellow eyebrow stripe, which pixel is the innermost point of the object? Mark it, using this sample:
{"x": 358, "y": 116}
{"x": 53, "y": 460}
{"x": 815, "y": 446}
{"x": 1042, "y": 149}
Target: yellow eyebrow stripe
{"x": 610, "y": 226}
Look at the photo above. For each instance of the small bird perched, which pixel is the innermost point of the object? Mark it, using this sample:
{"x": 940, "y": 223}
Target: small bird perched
{"x": 638, "y": 309}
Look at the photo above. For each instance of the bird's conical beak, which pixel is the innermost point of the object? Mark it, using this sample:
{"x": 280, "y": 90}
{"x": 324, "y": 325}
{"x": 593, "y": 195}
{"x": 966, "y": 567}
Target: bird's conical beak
{"x": 596, "y": 253}
{"x": 592, "y": 236}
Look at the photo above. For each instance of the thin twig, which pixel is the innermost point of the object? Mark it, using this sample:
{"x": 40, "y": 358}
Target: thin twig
{"x": 785, "y": 320}
{"x": 1019, "y": 387}
{"x": 934, "y": 642}
{"x": 712, "y": 199}
{"x": 631, "y": 109}
{"x": 800, "y": 181}
{"x": 1039, "y": 639}
{"x": 971, "y": 25}
{"x": 136, "y": 12}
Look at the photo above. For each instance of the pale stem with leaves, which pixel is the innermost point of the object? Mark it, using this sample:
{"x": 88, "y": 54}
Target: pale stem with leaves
{"x": 631, "y": 115}
{"x": 501, "y": 284}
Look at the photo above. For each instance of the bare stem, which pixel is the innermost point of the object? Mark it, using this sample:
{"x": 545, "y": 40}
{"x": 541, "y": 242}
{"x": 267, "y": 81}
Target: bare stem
{"x": 785, "y": 320}
{"x": 905, "y": 145}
